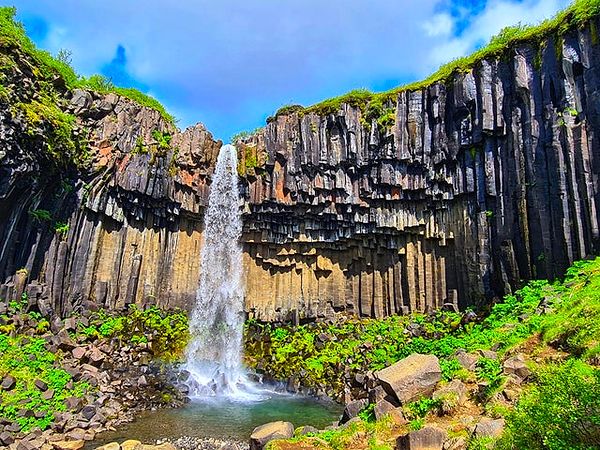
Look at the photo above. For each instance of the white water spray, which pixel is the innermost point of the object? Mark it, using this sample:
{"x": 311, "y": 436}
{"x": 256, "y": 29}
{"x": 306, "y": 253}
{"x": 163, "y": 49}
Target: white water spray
{"x": 214, "y": 355}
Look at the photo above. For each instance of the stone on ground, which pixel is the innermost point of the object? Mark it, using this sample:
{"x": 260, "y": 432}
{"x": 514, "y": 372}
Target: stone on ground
{"x": 428, "y": 438}
{"x": 489, "y": 428}
{"x": 411, "y": 378}
{"x": 68, "y": 445}
{"x": 273, "y": 430}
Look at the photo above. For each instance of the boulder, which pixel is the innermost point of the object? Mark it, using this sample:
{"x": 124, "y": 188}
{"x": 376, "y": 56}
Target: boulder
{"x": 516, "y": 366}
{"x": 411, "y": 378}
{"x": 451, "y": 395}
{"x": 456, "y": 443}
{"x": 131, "y": 444}
{"x": 306, "y": 429}
{"x": 385, "y": 407}
{"x": 352, "y": 409}
{"x": 68, "y": 445}
{"x": 274, "y": 430}
{"x": 8, "y": 383}
{"x": 110, "y": 446}
{"x": 428, "y": 438}
{"x": 489, "y": 428}
{"x": 466, "y": 360}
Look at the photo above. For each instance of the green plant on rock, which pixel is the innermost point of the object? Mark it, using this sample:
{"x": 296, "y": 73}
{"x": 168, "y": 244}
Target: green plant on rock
{"x": 62, "y": 229}
{"x": 40, "y": 215}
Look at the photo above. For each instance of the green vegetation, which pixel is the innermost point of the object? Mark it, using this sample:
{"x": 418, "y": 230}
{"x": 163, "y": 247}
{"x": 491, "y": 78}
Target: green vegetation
{"x": 559, "y": 408}
{"x": 320, "y": 351}
{"x": 166, "y": 332}
{"x": 560, "y": 411}
{"x": 28, "y": 359}
{"x": 12, "y": 34}
{"x": 573, "y": 17}
{"x": 40, "y": 215}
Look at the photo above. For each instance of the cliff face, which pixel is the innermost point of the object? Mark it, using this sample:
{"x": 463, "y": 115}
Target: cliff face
{"x": 478, "y": 184}
{"x": 475, "y": 185}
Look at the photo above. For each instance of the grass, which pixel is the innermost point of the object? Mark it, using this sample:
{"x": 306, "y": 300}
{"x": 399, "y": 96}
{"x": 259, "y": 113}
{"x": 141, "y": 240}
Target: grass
{"x": 573, "y": 17}
{"x": 12, "y": 34}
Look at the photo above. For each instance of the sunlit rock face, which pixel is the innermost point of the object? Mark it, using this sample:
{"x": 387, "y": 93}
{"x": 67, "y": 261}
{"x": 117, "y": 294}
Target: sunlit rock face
{"x": 481, "y": 182}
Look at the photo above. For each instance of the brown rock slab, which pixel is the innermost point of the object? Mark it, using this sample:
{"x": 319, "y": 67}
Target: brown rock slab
{"x": 411, "y": 378}
{"x": 68, "y": 445}
{"x": 516, "y": 366}
{"x": 274, "y": 430}
{"x": 131, "y": 444}
{"x": 489, "y": 428}
{"x": 428, "y": 438}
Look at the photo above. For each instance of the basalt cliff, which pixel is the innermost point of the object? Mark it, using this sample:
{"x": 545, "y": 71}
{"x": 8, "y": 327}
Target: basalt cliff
{"x": 451, "y": 194}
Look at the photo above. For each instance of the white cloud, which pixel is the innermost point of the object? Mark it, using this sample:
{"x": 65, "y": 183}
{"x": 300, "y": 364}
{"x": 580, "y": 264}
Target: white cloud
{"x": 496, "y": 15}
{"x": 231, "y": 63}
{"x": 440, "y": 25}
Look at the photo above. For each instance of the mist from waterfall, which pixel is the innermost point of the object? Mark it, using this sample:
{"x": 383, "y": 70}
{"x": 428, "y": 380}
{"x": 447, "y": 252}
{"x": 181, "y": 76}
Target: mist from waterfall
{"x": 214, "y": 354}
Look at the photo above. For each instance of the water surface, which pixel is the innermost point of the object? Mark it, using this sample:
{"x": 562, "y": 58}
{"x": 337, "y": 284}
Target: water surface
{"x": 225, "y": 418}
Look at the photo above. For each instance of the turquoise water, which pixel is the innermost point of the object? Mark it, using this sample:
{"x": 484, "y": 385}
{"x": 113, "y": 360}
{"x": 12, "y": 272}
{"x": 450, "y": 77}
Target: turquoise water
{"x": 225, "y": 418}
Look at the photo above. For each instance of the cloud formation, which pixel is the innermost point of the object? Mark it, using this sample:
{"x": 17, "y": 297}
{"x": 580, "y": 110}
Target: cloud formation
{"x": 230, "y": 64}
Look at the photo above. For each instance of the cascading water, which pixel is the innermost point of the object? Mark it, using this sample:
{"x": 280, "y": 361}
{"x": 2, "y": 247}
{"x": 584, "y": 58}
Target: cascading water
{"x": 214, "y": 355}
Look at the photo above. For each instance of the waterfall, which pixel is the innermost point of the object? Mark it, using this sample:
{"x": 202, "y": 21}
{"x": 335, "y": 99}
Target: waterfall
{"x": 214, "y": 354}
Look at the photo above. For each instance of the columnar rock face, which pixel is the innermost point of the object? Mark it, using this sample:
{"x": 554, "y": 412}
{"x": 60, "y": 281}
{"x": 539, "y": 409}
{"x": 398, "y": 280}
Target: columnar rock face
{"x": 481, "y": 182}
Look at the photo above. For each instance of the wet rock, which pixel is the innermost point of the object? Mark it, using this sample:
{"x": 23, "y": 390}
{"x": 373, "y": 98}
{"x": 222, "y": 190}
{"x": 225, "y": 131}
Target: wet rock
{"x": 274, "y": 430}
{"x": 411, "y": 378}
{"x": 110, "y": 446}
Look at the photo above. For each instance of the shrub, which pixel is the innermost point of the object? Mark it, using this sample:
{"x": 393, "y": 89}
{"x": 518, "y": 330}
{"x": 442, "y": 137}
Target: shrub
{"x": 561, "y": 410}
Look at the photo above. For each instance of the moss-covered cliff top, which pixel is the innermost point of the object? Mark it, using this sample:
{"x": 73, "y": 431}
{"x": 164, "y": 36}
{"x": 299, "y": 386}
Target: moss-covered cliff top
{"x": 13, "y": 35}
{"x": 573, "y": 17}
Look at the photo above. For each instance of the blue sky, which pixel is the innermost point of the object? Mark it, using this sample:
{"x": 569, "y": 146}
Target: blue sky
{"x": 230, "y": 64}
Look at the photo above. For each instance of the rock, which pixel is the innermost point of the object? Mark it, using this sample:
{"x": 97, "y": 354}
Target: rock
{"x": 352, "y": 409}
{"x": 6, "y": 438}
{"x": 110, "y": 446}
{"x": 451, "y": 395}
{"x": 385, "y": 407}
{"x": 73, "y": 404}
{"x": 489, "y": 354}
{"x": 164, "y": 446}
{"x": 411, "y": 378}
{"x": 467, "y": 360}
{"x": 456, "y": 443}
{"x": 47, "y": 395}
{"x": 132, "y": 445}
{"x": 40, "y": 385}
{"x": 88, "y": 411}
{"x": 306, "y": 429}
{"x": 68, "y": 445}
{"x": 516, "y": 366}
{"x": 78, "y": 352}
{"x": 489, "y": 428}
{"x": 8, "y": 383}
{"x": 428, "y": 438}
{"x": 274, "y": 430}
{"x": 64, "y": 342}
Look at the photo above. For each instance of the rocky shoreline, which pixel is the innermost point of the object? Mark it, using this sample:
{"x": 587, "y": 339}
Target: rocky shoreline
{"x": 121, "y": 379}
